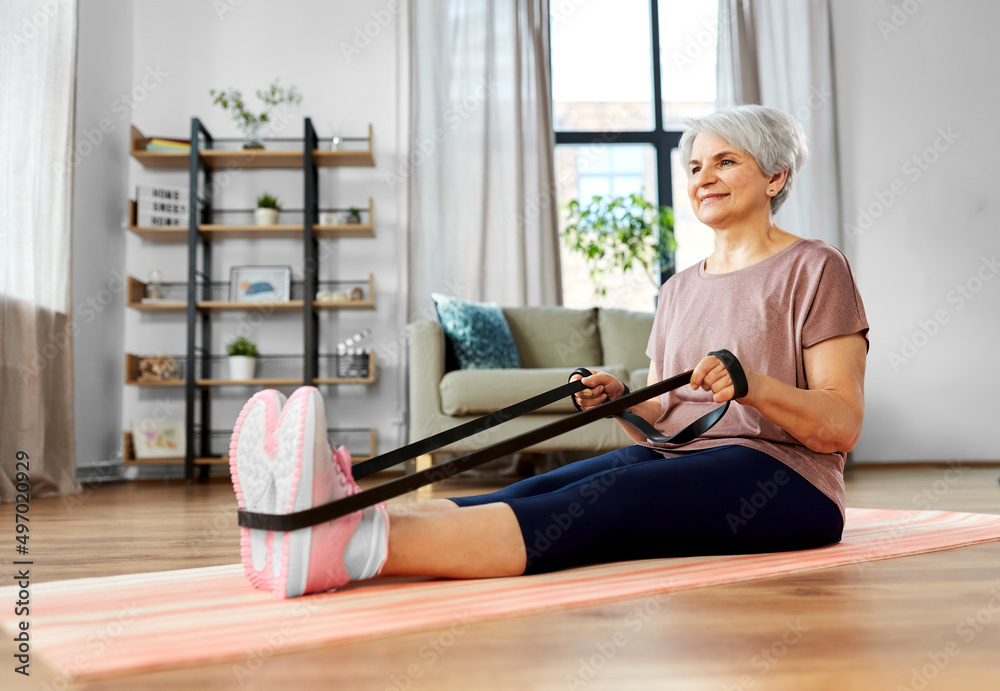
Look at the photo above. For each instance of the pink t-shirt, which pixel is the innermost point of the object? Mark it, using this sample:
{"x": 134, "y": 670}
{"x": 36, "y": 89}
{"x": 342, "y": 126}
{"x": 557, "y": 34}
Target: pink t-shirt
{"x": 765, "y": 314}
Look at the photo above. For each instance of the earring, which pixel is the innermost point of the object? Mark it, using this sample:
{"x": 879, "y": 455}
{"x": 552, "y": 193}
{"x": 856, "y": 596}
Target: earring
{"x": 772, "y": 192}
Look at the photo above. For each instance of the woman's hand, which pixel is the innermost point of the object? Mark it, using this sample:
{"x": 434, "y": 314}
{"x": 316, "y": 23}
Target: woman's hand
{"x": 601, "y": 387}
{"x": 712, "y": 375}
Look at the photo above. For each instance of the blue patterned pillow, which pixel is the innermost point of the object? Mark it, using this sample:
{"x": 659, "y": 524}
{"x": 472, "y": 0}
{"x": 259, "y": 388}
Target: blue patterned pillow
{"x": 478, "y": 333}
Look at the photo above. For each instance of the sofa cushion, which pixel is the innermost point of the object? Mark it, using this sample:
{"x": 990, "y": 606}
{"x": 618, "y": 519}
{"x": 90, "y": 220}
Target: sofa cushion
{"x": 555, "y": 336}
{"x": 478, "y": 333}
{"x": 477, "y": 392}
{"x": 624, "y": 336}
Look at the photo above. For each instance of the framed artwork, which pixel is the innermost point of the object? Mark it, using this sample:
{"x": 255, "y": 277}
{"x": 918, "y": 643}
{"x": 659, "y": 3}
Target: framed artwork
{"x": 260, "y": 283}
{"x": 152, "y": 439}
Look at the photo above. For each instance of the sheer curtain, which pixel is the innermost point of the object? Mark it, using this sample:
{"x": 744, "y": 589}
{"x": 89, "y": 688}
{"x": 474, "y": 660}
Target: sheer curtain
{"x": 779, "y": 53}
{"x": 37, "y": 72}
{"x": 480, "y": 169}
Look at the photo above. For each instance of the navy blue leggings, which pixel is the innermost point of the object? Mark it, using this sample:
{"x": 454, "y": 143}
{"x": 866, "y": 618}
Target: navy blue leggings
{"x": 633, "y": 503}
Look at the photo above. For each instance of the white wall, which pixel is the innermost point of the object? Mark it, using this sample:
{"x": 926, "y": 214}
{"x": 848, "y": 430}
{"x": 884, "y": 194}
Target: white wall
{"x": 176, "y": 52}
{"x": 104, "y": 73}
{"x": 905, "y": 79}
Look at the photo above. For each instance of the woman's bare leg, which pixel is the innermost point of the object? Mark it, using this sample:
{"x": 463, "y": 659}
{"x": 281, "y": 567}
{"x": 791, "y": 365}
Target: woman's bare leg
{"x": 468, "y": 542}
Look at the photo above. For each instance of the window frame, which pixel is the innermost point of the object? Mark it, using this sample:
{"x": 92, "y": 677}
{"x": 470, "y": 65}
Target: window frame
{"x": 663, "y": 141}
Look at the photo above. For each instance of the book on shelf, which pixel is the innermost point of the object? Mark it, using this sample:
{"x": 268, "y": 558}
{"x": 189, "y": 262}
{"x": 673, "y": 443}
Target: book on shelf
{"x": 167, "y": 149}
{"x": 172, "y": 144}
{"x": 163, "y": 193}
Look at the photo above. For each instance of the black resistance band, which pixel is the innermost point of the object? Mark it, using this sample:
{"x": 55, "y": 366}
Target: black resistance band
{"x": 408, "y": 483}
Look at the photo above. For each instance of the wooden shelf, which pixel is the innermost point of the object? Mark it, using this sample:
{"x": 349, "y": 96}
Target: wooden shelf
{"x": 157, "y": 160}
{"x": 253, "y": 382}
{"x": 368, "y": 304}
{"x": 267, "y": 307}
{"x": 154, "y": 234}
{"x": 128, "y": 456}
{"x": 335, "y": 159}
{"x": 370, "y": 379}
{"x": 349, "y": 230}
{"x": 220, "y": 232}
{"x": 247, "y": 159}
{"x": 137, "y": 291}
{"x": 132, "y": 374}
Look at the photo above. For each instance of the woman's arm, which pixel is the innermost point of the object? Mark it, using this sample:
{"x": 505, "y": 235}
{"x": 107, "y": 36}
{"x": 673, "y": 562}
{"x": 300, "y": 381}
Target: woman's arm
{"x": 827, "y": 416}
{"x": 602, "y": 384}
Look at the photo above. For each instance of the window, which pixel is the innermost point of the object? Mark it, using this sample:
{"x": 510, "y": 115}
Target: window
{"x": 620, "y": 94}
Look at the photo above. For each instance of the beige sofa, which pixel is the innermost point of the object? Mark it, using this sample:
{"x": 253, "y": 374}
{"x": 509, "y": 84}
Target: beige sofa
{"x": 551, "y": 343}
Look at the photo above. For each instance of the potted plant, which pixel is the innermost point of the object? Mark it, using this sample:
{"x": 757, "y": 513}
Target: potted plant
{"x": 621, "y": 233}
{"x": 354, "y": 216}
{"x": 249, "y": 123}
{"x": 268, "y": 207}
{"x": 242, "y": 359}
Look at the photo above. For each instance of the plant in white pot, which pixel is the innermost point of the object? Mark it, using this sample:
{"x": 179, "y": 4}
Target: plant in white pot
{"x": 242, "y": 359}
{"x": 268, "y": 207}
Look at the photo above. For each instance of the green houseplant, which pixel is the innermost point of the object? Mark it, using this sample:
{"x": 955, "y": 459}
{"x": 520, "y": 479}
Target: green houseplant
{"x": 620, "y": 233}
{"x": 268, "y": 207}
{"x": 353, "y": 216}
{"x": 250, "y": 123}
{"x": 242, "y": 359}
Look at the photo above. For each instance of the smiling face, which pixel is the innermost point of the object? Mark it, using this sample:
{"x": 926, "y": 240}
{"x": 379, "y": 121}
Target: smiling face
{"x": 726, "y": 186}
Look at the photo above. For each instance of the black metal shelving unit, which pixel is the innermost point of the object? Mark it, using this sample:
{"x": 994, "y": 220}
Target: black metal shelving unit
{"x": 206, "y": 154}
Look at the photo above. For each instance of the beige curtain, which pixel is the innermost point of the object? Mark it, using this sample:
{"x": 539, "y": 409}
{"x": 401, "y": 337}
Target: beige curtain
{"x": 37, "y": 72}
{"x": 480, "y": 169}
{"x": 779, "y": 53}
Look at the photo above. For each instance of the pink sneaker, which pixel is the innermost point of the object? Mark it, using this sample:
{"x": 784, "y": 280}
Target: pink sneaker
{"x": 295, "y": 470}
{"x": 251, "y": 460}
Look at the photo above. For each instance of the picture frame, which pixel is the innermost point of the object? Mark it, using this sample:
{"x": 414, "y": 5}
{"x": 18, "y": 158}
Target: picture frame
{"x": 260, "y": 283}
{"x": 151, "y": 439}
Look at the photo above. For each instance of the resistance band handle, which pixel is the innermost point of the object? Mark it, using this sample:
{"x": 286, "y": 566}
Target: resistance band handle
{"x": 735, "y": 370}
{"x": 696, "y": 428}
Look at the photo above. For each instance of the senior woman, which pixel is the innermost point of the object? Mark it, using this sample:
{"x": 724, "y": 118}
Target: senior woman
{"x": 768, "y": 477}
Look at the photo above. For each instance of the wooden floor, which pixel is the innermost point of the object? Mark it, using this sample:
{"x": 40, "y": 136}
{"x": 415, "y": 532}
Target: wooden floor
{"x": 883, "y": 625}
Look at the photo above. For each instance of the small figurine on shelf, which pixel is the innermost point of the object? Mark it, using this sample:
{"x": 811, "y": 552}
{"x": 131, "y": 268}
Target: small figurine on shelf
{"x": 157, "y": 368}
{"x": 357, "y": 294}
{"x": 352, "y": 362}
{"x": 154, "y": 289}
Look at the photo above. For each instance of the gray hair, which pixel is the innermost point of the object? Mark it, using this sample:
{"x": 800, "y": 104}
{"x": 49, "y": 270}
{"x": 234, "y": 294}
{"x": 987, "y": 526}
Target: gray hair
{"x": 774, "y": 139}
